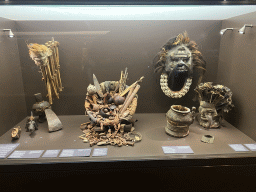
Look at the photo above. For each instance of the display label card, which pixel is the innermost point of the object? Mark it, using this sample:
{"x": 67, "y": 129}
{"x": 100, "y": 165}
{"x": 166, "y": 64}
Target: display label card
{"x": 252, "y": 147}
{"x": 177, "y": 149}
{"x": 51, "y": 153}
{"x": 75, "y": 153}
{"x": 6, "y": 149}
{"x": 238, "y": 147}
{"x": 24, "y": 154}
{"x": 100, "y": 152}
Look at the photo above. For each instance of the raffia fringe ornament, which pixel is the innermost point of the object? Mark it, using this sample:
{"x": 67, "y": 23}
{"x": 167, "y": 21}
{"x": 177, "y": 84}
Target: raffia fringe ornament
{"x": 47, "y": 58}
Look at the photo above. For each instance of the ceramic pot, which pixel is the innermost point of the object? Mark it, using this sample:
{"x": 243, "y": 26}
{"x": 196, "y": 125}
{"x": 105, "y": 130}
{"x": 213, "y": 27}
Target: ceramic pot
{"x": 179, "y": 118}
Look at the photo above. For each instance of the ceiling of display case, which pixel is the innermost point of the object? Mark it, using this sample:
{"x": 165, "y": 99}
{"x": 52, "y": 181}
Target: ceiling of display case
{"x": 179, "y": 12}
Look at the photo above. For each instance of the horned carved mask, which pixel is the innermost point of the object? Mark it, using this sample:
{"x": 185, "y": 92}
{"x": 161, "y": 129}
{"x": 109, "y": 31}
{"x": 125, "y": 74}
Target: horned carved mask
{"x": 176, "y": 61}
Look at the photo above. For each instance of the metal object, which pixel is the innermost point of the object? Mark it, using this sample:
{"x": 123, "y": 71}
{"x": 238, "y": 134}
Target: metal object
{"x": 207, "y": 139}
{"x": 179, "y": 118}
{"x": 54, "y": 123}
{"x": 242, "y": 30}
{"x": 97, "y": 86}
{"x": 10, "y": 33}
{"x": 224, "y": 30}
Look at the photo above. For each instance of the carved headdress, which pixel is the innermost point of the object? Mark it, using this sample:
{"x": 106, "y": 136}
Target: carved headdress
{"x": 218, "y": 95}
{"x": 214, "y": 101}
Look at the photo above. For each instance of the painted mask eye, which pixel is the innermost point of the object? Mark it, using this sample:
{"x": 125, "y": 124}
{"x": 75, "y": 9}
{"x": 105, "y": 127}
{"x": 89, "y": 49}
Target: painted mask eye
{"x": 185, "y": 59}
{"x": 175, "y": 59}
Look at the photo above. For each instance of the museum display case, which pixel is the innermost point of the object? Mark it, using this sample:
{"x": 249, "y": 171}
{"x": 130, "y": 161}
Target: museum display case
{"x": 137, "y": 88}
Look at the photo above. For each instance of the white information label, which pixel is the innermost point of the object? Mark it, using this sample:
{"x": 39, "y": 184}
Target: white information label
{"x": 6, "y": 149}
{"x": 238, "y": 147}
{"x": 252, "y": 146}
{"x": 177, "y": 149}
{"x": 75, "y": 153}
{"x": 51, "y": 153}
{"x": 100, "y": 152}
{"x": 25, "y": 154}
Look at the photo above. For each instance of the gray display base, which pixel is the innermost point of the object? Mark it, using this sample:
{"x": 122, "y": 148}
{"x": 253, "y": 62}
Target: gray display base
{"x": 152, "y": 128}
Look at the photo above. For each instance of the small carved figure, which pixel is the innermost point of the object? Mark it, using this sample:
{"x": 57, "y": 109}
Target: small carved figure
{"x": 31, "y": 124}
{"x": 16, "y": 132}
{"x": 214, "y": 101}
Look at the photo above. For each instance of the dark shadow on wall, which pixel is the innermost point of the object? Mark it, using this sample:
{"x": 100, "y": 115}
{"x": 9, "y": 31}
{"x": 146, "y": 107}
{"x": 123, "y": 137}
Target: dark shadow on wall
{"x": 12, "y": 98}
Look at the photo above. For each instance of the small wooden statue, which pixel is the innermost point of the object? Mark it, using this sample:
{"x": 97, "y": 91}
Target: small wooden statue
{"x": 31, "y": 124}
{"x": 16, "y": 132}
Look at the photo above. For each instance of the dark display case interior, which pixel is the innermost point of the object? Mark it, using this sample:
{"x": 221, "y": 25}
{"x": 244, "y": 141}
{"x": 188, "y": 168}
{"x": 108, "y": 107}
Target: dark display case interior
{"x": 105, "y": 40}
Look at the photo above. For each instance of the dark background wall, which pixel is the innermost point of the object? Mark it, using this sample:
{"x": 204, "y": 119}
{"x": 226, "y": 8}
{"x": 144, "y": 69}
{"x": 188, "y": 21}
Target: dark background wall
{"x": 107, "y": 47}
{"x": 237, "y": 71}
{"x": 12, "y": 98}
